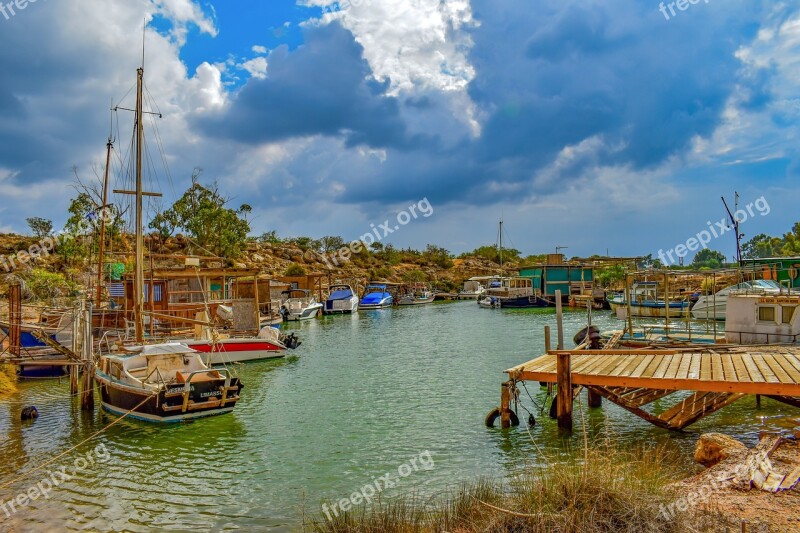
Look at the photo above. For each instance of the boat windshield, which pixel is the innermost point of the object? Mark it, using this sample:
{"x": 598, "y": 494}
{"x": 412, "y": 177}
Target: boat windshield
{"x": 766, "y": 284}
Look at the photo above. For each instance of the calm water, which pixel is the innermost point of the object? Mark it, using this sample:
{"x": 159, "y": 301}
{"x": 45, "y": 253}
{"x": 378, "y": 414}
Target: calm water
{"x": 357, "y": 400}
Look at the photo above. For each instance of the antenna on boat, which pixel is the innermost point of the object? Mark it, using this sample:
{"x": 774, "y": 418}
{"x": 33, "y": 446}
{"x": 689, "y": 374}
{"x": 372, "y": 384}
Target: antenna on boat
{"x": 735, "y": 223}
{"x": 144, "y": 35}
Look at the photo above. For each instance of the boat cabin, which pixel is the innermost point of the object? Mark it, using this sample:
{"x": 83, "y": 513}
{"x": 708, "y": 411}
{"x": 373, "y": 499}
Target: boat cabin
{"x": 762, "y": 319}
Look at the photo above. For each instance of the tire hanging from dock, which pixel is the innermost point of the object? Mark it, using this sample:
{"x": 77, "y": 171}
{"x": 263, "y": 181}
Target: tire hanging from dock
{"x": 494, "y": 414}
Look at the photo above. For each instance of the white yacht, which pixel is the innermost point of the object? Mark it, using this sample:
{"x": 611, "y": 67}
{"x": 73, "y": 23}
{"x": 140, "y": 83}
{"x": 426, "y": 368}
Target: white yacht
{"x": 342, "y": 300}
{"x": 714, "y": 307}
{"x": 300, "y": 304}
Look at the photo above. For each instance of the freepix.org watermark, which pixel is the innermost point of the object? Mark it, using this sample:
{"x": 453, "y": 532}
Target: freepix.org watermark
{"x": 344, "y": 5}
{"x": 54, "y": 479}
{"x": 423, "y": 461}
{"x": 49, "y": 244}
{"x": 10, "y": 9}
{"x": 342, "y": 255}
{"x": 681, "y": 5}
{"x": 714, "y": 231}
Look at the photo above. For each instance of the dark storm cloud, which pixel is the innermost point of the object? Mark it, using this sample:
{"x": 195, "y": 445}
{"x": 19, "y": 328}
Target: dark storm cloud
{"x": 322, "y": 88}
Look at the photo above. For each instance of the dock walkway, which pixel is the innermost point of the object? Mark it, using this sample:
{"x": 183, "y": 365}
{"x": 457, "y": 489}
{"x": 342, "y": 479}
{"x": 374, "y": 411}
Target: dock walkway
{"x": 717, "y": 376}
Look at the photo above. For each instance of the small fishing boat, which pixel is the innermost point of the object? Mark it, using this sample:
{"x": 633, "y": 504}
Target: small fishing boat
{"x": 342, "y": 300}
{"x": 713, "y": 307}
{"x": 417, "y": 294}
{"x": 376, "y": 296}
{"x": 646, "y": 302}
{"x": 489, "y": 302}
{"x": 299, "y": 304}
{"x": 165, "y": 383}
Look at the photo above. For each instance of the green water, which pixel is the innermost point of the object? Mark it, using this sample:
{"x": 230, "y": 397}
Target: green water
{"x": 360, "y": 398}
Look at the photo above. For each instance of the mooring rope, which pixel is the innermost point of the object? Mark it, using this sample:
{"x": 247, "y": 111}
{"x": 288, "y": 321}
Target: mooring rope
{"x": 59, "y": 456}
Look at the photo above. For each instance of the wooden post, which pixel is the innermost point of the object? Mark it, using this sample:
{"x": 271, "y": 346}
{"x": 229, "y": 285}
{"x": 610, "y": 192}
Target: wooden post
{"x": 547, "y": 345}
{"x": 87, "y": 383}
{"x": 628, "y": 304}
{"x": 758, "y": 401}
{"x": 595, "y": 400}
{"x": 505, "y": 406}
{"x": 564, "y": 376}
{"x": 76, "y": 347}
{"x": 258, "y": 304}
{"x": 15, "y": 319}
{"x": 666, "y": 303}
{"x": 560, "y": 320}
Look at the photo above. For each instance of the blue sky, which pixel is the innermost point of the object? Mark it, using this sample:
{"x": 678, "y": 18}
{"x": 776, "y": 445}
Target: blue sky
{"x": 594, "y": 125}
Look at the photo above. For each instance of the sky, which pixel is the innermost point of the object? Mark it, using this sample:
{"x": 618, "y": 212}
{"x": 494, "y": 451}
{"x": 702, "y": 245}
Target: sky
{"x": 610, "y": 126}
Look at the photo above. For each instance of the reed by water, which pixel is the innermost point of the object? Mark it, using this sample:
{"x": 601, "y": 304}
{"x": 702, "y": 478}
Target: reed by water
{"x": 599, "y": 489}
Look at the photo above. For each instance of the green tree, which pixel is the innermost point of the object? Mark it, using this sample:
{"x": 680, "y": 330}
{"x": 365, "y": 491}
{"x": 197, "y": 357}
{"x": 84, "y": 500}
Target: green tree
{"x": 708, "y": 258}
{"x": 762, "y": 245}
{"x": 609, "y": 276}
{"x": 202, "y": 213}
{"x": 41, "y": 227}
{"x": 492, "y": 253}
{"x": 330, "y": 244}
{"x": 438, "y": 256}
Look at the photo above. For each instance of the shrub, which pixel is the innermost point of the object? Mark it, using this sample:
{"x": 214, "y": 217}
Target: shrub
{"x": 295, "y": 270}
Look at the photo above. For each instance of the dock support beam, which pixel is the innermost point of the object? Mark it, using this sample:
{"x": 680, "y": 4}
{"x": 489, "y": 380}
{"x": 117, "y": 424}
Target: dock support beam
{"x": 595, "y": 400}
{"x": 505, "y": 405}
{"x": 560, "y": 321}
{"x": 564, "y": 402}
{"x": 15, "y": 319}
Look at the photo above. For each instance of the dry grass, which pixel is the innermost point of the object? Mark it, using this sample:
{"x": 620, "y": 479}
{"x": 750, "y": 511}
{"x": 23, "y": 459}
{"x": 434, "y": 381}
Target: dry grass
{"x": 605, "y": 489}
{"x": 8, "y": 379}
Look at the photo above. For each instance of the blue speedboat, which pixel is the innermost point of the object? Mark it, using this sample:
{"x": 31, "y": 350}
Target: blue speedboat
{"x": 376, "y": 296}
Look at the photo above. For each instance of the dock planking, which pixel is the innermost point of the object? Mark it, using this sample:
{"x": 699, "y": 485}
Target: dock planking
{"x": 716, "y": 377}
{"x": 766, "y": 370}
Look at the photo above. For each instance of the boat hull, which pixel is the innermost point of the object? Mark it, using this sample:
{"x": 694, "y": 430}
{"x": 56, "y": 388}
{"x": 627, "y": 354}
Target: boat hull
{"x": 236, "y": 350}
{"x": 653, "y": 310}
{"x": 341, "y": 307}
{"x": 523, "y": 302}
{"x": 205, "y": 399}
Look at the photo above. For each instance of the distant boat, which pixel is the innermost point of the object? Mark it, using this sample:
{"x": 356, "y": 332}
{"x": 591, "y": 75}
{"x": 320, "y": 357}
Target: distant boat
{"x": 473, "y": 289}
{"x": 300, "y": 304}
{"x": 342, "y": 300}
{"x": 511, "y": 293}
{"x": 713, "y": 307}
{"x": 646, "y": 302}
{"x": 376, "y": 296}
{"x": 417, "y": 294}
{"x": 164, "y": 383}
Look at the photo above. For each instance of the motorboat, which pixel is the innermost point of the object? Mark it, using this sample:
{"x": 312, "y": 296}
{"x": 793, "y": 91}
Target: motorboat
{"x": 646, "y": 302}
{"x": 417, "y": 294}
{"x": 376, "y": 296}
{"x": 473, "y": 289}
{"x": 511, "y": 293}
{"x": 299, "y": 304}
{"x": 164, "y": 383}
{"x": 342, "y": 300}
{"x": 220, "y": 349}
{"x": 713, "y": 307}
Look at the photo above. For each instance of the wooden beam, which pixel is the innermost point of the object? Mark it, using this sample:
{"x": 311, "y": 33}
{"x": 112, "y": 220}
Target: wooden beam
{"x": 564, "y": 392}
{"x": 610, "y": 396}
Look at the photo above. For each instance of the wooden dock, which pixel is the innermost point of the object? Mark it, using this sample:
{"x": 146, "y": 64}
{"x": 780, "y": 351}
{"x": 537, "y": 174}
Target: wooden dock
{"x": 717, "y": 376}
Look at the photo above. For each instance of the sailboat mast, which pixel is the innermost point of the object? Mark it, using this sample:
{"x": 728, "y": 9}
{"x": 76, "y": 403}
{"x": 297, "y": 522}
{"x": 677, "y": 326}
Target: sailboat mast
{"x": 103, "y": 214}
{"x": 138, "y": 285}
{"x": 501, "y": 246}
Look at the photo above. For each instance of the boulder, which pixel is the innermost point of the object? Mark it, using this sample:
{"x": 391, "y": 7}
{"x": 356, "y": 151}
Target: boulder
{"x": 713, "y": 448}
